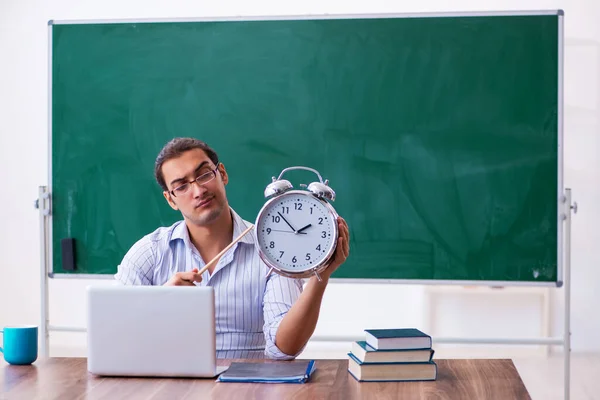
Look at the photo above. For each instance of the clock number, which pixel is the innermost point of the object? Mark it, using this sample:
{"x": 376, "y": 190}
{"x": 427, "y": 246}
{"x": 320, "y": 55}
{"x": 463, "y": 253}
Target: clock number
{"x": 294, "y": 259}
{"x": 272, "y": 245}
{"x": 320, "y": 221}
{"x": 285, "y": 210}
{"x": 268, "y": 231}
{"x": 275, "y": 218}
{"x": 319, "y": 248}
{"x": 307, "y": 256}
{"x": 323, "y": 234}
{"x": 298, "y": 206}
{"x": 311, "y": 210}
{"x": 281, "y": 255}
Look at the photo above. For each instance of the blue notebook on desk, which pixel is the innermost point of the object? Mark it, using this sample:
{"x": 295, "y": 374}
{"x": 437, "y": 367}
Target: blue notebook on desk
{"x": 297, "y": 371}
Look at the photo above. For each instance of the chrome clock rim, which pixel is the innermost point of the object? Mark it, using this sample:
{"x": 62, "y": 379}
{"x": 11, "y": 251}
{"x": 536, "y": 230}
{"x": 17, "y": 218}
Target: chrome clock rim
{"x": 308, "y": 272}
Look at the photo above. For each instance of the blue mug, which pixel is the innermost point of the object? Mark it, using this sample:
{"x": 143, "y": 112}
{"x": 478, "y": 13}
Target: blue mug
{"x": 20, "y": 344}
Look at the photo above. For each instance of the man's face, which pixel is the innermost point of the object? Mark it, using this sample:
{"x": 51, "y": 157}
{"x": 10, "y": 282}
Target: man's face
{"x": 200, "y": 204}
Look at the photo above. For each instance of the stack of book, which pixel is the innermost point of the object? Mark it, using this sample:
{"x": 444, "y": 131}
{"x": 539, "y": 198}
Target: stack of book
{"x": 393, "y": 355}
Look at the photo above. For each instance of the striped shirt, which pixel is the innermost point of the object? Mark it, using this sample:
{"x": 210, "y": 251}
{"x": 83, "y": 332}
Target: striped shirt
{"x": 248, "y": 305}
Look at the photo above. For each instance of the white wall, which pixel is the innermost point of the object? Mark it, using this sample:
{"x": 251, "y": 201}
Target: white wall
{"x": 24, "y": 161}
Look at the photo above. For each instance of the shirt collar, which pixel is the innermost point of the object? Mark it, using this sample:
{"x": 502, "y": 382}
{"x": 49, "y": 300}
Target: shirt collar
{"x": 181, "y": 232}
{"x": 239, "y": 225}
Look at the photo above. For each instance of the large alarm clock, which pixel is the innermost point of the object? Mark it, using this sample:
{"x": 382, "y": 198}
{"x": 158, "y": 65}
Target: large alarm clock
{"x": 296, "y": 231}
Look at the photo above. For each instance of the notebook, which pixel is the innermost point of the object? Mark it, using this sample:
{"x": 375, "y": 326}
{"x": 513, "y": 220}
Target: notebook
{"x": 297, "y": 371}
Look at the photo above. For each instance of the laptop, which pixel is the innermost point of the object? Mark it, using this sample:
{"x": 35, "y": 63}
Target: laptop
{"x": 151, "y": 331}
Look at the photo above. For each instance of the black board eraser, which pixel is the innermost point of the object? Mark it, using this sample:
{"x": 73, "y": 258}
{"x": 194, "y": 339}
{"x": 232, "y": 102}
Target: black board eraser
{"x": 67, "y": 247}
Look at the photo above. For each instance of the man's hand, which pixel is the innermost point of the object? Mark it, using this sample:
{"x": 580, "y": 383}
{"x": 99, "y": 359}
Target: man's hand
{"x": 342, "y": 250}
{"x": 299, "y": 323}
{"x": 185, "y": 278}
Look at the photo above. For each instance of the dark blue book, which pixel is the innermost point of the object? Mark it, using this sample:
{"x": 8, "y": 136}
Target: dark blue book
{"x": 397, "y": 339}
{"x": 297, "y": 371}
{"x": 366, "y": 354}
{"x": 391, "y": 372}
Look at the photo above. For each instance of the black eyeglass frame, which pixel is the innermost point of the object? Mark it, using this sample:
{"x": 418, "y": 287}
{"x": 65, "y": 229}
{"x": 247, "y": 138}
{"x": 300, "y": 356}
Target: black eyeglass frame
{"x": 196, "y": 180}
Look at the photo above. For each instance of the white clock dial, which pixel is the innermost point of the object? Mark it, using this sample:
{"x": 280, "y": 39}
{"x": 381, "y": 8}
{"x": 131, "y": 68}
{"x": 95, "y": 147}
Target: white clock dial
{"x": 296, "y": 232}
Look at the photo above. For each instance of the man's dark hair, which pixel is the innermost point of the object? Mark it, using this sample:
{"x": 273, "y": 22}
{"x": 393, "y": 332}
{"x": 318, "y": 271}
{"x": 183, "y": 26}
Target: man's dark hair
{"x": 175, "y": 148}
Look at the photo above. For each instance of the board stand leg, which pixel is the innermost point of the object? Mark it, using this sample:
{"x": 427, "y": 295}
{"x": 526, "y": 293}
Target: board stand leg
{"x": 43, "y": 205}
{"x": 569, "y": 208}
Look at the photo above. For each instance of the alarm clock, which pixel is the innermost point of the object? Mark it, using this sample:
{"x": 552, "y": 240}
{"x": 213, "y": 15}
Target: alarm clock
{"x": 296, "y": 231}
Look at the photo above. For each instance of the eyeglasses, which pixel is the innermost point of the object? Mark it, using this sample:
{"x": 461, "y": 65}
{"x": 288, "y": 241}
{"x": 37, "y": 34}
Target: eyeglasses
{"x": 200, "y": 180}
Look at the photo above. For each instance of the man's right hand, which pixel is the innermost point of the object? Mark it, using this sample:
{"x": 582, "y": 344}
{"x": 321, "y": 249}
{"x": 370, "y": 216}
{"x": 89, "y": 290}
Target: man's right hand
{"x": 185, "y": 278}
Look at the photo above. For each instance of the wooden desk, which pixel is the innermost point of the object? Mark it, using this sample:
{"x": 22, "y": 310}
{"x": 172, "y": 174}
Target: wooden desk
{"x": 68, "y": 378}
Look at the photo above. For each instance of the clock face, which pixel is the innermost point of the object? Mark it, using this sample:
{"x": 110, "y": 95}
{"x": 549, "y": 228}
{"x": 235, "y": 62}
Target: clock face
{"x": 296, "y": 232}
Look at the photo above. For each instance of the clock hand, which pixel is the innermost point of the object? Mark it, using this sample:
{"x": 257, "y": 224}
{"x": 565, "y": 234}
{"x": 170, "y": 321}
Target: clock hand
{"x": 286, "y": 221}
{"x": 303, "y": 228}
{"x": 279, "y": 230}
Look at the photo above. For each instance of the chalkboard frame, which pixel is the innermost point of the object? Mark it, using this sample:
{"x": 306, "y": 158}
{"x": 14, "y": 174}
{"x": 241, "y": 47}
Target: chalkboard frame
{"x": 560, "y": 185}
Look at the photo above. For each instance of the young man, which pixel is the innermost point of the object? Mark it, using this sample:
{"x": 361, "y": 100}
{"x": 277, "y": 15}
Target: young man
{"x": 256, "y": 315}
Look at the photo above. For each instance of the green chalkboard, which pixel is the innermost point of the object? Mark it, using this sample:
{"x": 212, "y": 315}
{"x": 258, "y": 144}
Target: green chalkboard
{"x": 439, "y": 134}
